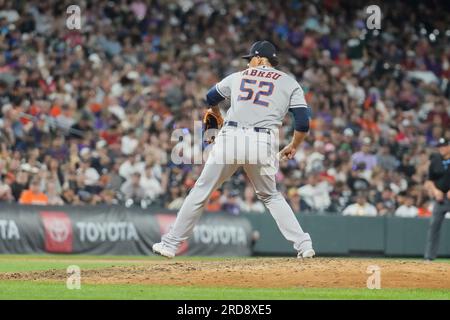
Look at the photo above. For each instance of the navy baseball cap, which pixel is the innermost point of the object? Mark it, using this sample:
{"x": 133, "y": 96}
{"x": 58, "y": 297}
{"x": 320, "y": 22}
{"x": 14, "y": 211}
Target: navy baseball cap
{"x": 263, "y": 49}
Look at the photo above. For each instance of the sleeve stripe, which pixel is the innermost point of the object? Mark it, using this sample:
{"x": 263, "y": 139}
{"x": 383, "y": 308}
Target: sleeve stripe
{"x": 218, "y": 90}
{"x": 301, "y": 104}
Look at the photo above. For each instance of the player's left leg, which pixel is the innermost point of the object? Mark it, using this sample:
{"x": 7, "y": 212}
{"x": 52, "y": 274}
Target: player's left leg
{"x": 266, "y": 191}
{"x": 434, "y": 229}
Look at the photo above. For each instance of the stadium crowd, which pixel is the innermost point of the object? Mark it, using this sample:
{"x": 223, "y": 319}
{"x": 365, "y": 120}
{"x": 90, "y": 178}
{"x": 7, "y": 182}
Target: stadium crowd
{"x": 86, "y": 116}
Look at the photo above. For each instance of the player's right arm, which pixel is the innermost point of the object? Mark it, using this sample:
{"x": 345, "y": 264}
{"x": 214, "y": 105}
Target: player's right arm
{"x": 302, "y": 115}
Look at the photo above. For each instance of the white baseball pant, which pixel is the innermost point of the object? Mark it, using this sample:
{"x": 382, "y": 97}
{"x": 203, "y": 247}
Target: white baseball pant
{"x": 254, "y": 151}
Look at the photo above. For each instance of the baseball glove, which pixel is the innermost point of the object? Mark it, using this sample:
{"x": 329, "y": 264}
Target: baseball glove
{"x": 212, "y": 120}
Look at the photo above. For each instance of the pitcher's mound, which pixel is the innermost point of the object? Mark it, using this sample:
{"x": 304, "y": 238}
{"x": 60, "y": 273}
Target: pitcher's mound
{"x": 262, "y": 273}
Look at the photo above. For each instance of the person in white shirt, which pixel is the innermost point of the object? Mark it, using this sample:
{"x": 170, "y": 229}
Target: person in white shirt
{"x": 316, "y": 193}
{"x": 360, "y": 208}
{"x": 150, "y": 184}
{"x": 132, "y": 165}
{"x": 129, "y": 143}
{"x": 132, "y": 189}
{"x": 91, "y": 176}
{"x": 408, "y": 209}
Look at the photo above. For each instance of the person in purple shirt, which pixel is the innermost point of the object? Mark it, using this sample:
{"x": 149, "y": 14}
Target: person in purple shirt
{"x": 364, "y": 155}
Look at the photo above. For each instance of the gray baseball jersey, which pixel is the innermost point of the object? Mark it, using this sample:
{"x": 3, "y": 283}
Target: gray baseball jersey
{"x": 261, "y": 96}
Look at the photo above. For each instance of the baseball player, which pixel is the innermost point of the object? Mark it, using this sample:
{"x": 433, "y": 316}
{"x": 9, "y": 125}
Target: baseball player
{"x": 260, "y": 97}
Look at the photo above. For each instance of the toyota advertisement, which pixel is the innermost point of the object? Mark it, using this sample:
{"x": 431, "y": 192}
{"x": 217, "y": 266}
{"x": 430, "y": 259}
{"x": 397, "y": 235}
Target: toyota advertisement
{"x": 115, "y": 231}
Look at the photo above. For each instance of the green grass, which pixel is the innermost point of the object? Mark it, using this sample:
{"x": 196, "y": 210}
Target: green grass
{"x": 47, "y": 262}
{"x": 20, "y": 263}
{"x": 45, "y": 290}
{"x": 57, "y": 290}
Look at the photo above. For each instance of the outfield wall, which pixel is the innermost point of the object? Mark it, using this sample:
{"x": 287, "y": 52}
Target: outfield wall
{"x": 115, "y": 230}
{"x": 343, "y": 235}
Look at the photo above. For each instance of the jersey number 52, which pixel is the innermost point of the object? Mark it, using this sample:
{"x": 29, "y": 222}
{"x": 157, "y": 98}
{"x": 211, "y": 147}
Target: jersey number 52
{"x": 247, "y": 85}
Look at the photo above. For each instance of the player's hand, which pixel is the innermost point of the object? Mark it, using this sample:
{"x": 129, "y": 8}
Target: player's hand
{"x": 288, "y": 152}
{"x": 438, "y": 195}
{"x": 448, "y": 195}
{"x": 212, "y": 120}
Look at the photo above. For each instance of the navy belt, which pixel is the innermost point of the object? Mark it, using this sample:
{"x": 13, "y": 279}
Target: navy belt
{"x": 257, "y": 129}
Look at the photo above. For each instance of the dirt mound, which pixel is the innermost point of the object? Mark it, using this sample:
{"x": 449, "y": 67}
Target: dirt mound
{"x": 261, "y": 273}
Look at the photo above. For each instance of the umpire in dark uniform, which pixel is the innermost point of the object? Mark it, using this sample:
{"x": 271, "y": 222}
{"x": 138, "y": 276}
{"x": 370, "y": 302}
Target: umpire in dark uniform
{"x": 439, "y": 184}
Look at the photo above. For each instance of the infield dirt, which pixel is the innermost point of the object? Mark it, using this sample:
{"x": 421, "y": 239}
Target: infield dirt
{"x": 260, "y": 273}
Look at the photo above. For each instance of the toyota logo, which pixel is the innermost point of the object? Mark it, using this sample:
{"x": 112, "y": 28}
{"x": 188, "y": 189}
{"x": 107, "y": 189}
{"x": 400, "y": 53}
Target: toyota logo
{"x": 58, "y": 230}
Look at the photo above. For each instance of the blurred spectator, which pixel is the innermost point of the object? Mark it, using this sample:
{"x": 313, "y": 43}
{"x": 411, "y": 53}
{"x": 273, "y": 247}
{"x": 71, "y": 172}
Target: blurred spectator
{"x": 360, "y": 208}
{"x": 358, "y": 180}
{"x": 52, "y": 194}
{"x": 316, "y": 194}
{"x": 133, "y": 190}
{"x": 113, "y": 179}
{"x": 89, "y": 174}
{"x": 364, "y": 156}
{"x": 131, "y": 166}
{"x": 340, "y": 196}
{"x": 5, "y": 189}
{"x": 150, "y": 184}
{"x": 231, "y": 203}
{"x": 250, "y": 203}
{"x": 19, "y": 184}
{"x": 424, "y": 210}
{"x": 385, "y": 202}
{"x": 407, "y": 209}
{"x": 108, "y": 197}
{"x": 214, "y": 204}
{"x": 69, "y": 197}
{"x": 386, "y": 160}
{"x": 176, "y": 198}
{"x": 293, "y": 199}
{"x": 33, "y": 195}
{"x": 129, "y": 143}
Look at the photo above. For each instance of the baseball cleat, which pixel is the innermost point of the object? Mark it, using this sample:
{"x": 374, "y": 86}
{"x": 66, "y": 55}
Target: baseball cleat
{"x": 306, "y": 254}
{"x": 163, "y": 250}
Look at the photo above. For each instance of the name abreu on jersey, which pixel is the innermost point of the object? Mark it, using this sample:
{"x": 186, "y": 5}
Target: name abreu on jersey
{"x": 262, "y": 73}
